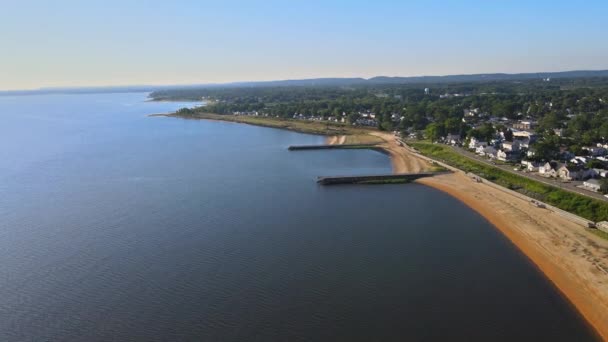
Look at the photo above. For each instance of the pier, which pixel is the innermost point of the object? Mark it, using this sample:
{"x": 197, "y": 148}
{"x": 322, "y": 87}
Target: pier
{"x": 328, "y": 147}
{"x": 377, "y": 179}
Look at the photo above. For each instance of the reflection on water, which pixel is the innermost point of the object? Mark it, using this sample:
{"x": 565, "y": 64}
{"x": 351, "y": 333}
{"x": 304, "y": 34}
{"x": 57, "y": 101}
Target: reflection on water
{"x": 116, "y": 226}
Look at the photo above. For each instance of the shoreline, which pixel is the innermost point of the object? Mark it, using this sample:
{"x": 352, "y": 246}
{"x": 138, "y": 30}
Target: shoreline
{"x": 573, "y": 260}
{"x": 575, "y": 291}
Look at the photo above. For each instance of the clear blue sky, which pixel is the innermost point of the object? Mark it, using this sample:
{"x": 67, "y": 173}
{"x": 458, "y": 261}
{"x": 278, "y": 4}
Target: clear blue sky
{"x": 75, "y": 43}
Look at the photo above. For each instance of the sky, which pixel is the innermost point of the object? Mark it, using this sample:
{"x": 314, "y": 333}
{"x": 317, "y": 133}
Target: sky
{"x": 101, "y": 43}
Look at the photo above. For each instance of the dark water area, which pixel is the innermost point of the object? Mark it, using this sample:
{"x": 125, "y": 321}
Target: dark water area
{"x": 117, "y": 226}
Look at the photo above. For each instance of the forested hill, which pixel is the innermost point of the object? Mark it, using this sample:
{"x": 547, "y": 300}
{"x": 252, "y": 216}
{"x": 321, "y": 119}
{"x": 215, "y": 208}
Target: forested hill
{"x": 578, "y": 78}
{"x": 490, "y": 77}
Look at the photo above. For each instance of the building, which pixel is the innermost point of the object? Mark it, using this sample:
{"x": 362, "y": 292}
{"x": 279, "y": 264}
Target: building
{"x": 596, "y": 150}
{"x": 511, "y": 146}
{"x": 530, "y": 166}
{"x": 474, "y": 143}
{"x": 592, "y": 184}
{"x": 525, "y": 125}
{"x": 601, "y": 173}
{"x": 571, "y": 172}
{"x": 427, "y": 91}
{"x": 505, "y": 155}
{"x": 549, "y": 169}
{"x": 524, "y": 135}
{"x": 453, "y": 139}
{"x": 488, "y": 151}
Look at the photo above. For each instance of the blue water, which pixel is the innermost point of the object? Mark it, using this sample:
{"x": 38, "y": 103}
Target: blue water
{"x": 119, "y": 226}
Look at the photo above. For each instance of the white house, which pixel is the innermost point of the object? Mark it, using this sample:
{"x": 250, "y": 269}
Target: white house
{"x": 511, "y": 146}
{"x": 579, "y": 160}
{"x": 601, "y": 172}
{"x": 596, "y": 150}
{"x": 524, "y": 143}
{"x": 592, "y": 184}
{"x": 452, "y": 139}
{"x": 530, "y": 165}
{"x": 571, "y": 172}
{"x": 505, "y": 155}
{"x": 524, "y": 135}
{"x": 548, "y": 169}
{"x": 474, "y": 143}
{"x": 488, "y": 151}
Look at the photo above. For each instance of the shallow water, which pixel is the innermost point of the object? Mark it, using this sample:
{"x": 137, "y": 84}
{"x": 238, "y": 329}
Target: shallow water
{"x": 120, "y": 226}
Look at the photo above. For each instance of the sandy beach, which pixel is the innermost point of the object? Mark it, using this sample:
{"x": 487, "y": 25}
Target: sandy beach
{"x": 575, "y": 260}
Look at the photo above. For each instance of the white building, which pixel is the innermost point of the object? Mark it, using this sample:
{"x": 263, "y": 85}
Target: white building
{"x": 548, "y": 169}
{"x": 511, "y": 146}
{"x": 474, "y": 143}
{"x": 530, "y": 165}
{"x": 592, "y": 184}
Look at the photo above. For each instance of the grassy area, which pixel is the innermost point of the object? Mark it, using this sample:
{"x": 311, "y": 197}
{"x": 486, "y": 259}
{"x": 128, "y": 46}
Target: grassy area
{"x": 589, "y": 208}
{"x": 303, "y": 126}
{"x": 598, "y": 232}
{"x": 362, "y": 138}
{"x": 437, "y": 168}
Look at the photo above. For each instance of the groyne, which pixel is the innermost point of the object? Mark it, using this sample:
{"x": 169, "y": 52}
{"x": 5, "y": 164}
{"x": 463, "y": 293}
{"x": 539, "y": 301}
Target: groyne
{"x": 376, "y": 179}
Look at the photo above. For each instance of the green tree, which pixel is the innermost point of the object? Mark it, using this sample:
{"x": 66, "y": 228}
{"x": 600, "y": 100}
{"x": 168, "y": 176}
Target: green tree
{"x": 434, "y": 131}
{"x": 604, "y": 185}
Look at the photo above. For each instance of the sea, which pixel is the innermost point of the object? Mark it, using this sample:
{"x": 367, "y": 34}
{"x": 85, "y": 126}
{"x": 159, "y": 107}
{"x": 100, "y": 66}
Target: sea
{"x": 118, "y": 226}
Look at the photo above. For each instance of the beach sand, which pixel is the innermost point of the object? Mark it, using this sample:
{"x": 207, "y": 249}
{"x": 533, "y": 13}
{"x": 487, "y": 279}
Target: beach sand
{"x": 575, "y": 260}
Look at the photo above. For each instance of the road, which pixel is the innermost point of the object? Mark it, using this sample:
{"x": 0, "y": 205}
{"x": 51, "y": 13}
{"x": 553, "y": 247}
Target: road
{"x": 568, "y": 186}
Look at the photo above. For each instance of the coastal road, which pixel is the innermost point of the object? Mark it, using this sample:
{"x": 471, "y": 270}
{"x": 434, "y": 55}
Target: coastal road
{"x": 568, "y": 186}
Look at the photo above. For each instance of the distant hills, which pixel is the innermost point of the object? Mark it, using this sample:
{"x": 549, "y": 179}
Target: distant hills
{"x": 327, "y": 82}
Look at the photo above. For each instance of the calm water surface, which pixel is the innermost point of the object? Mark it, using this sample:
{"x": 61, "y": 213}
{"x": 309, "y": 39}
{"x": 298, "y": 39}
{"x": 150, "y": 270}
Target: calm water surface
{"x": 117, "y": 226}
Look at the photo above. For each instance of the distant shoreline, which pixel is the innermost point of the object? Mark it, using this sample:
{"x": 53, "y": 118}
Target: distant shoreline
{"x": 566, "y": 262}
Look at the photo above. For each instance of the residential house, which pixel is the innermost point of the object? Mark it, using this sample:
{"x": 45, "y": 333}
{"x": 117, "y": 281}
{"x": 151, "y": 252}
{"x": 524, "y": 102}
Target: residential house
{"x": 572, "y": 172}
{"x": 511, "y": 146}
{"x": 524, "y": 135}
{"x": 530, "y": 166}
{"x": 488, "y": 151}
{"x": 596, "y": 150}
{"x": 592, "y": 184}
{"x": 474, "y": 143}
{"x": 506, "y": 155}
{"x": 549, "y": 169}
{"x": 525, "y": 125}
{"x": 453, "y": 139}
{"x": 601, "y": 173}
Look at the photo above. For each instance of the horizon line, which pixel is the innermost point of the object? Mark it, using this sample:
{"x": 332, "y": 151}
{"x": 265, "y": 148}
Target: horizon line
{"x": 92, "y": 87}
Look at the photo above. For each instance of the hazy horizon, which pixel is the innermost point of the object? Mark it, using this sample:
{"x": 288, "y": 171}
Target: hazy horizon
{"x": 72, "y": 44}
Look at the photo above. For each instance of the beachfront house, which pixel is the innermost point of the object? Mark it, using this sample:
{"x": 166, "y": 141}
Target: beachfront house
{"x": 592, "y": 184}
{"x": 530, "y": 166}
{"x": 506, "y": 155}
{"x": 596, "y": 150}
{"x": 601, "y": 173}
{"x": 511, "y": 146}
{"x": 571, "y": 172}
{"x": 488, "y": 151}
{"x": 474, "y": 143}
{"x": 549, "y": 169}
{"x": 453, "y": 139}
